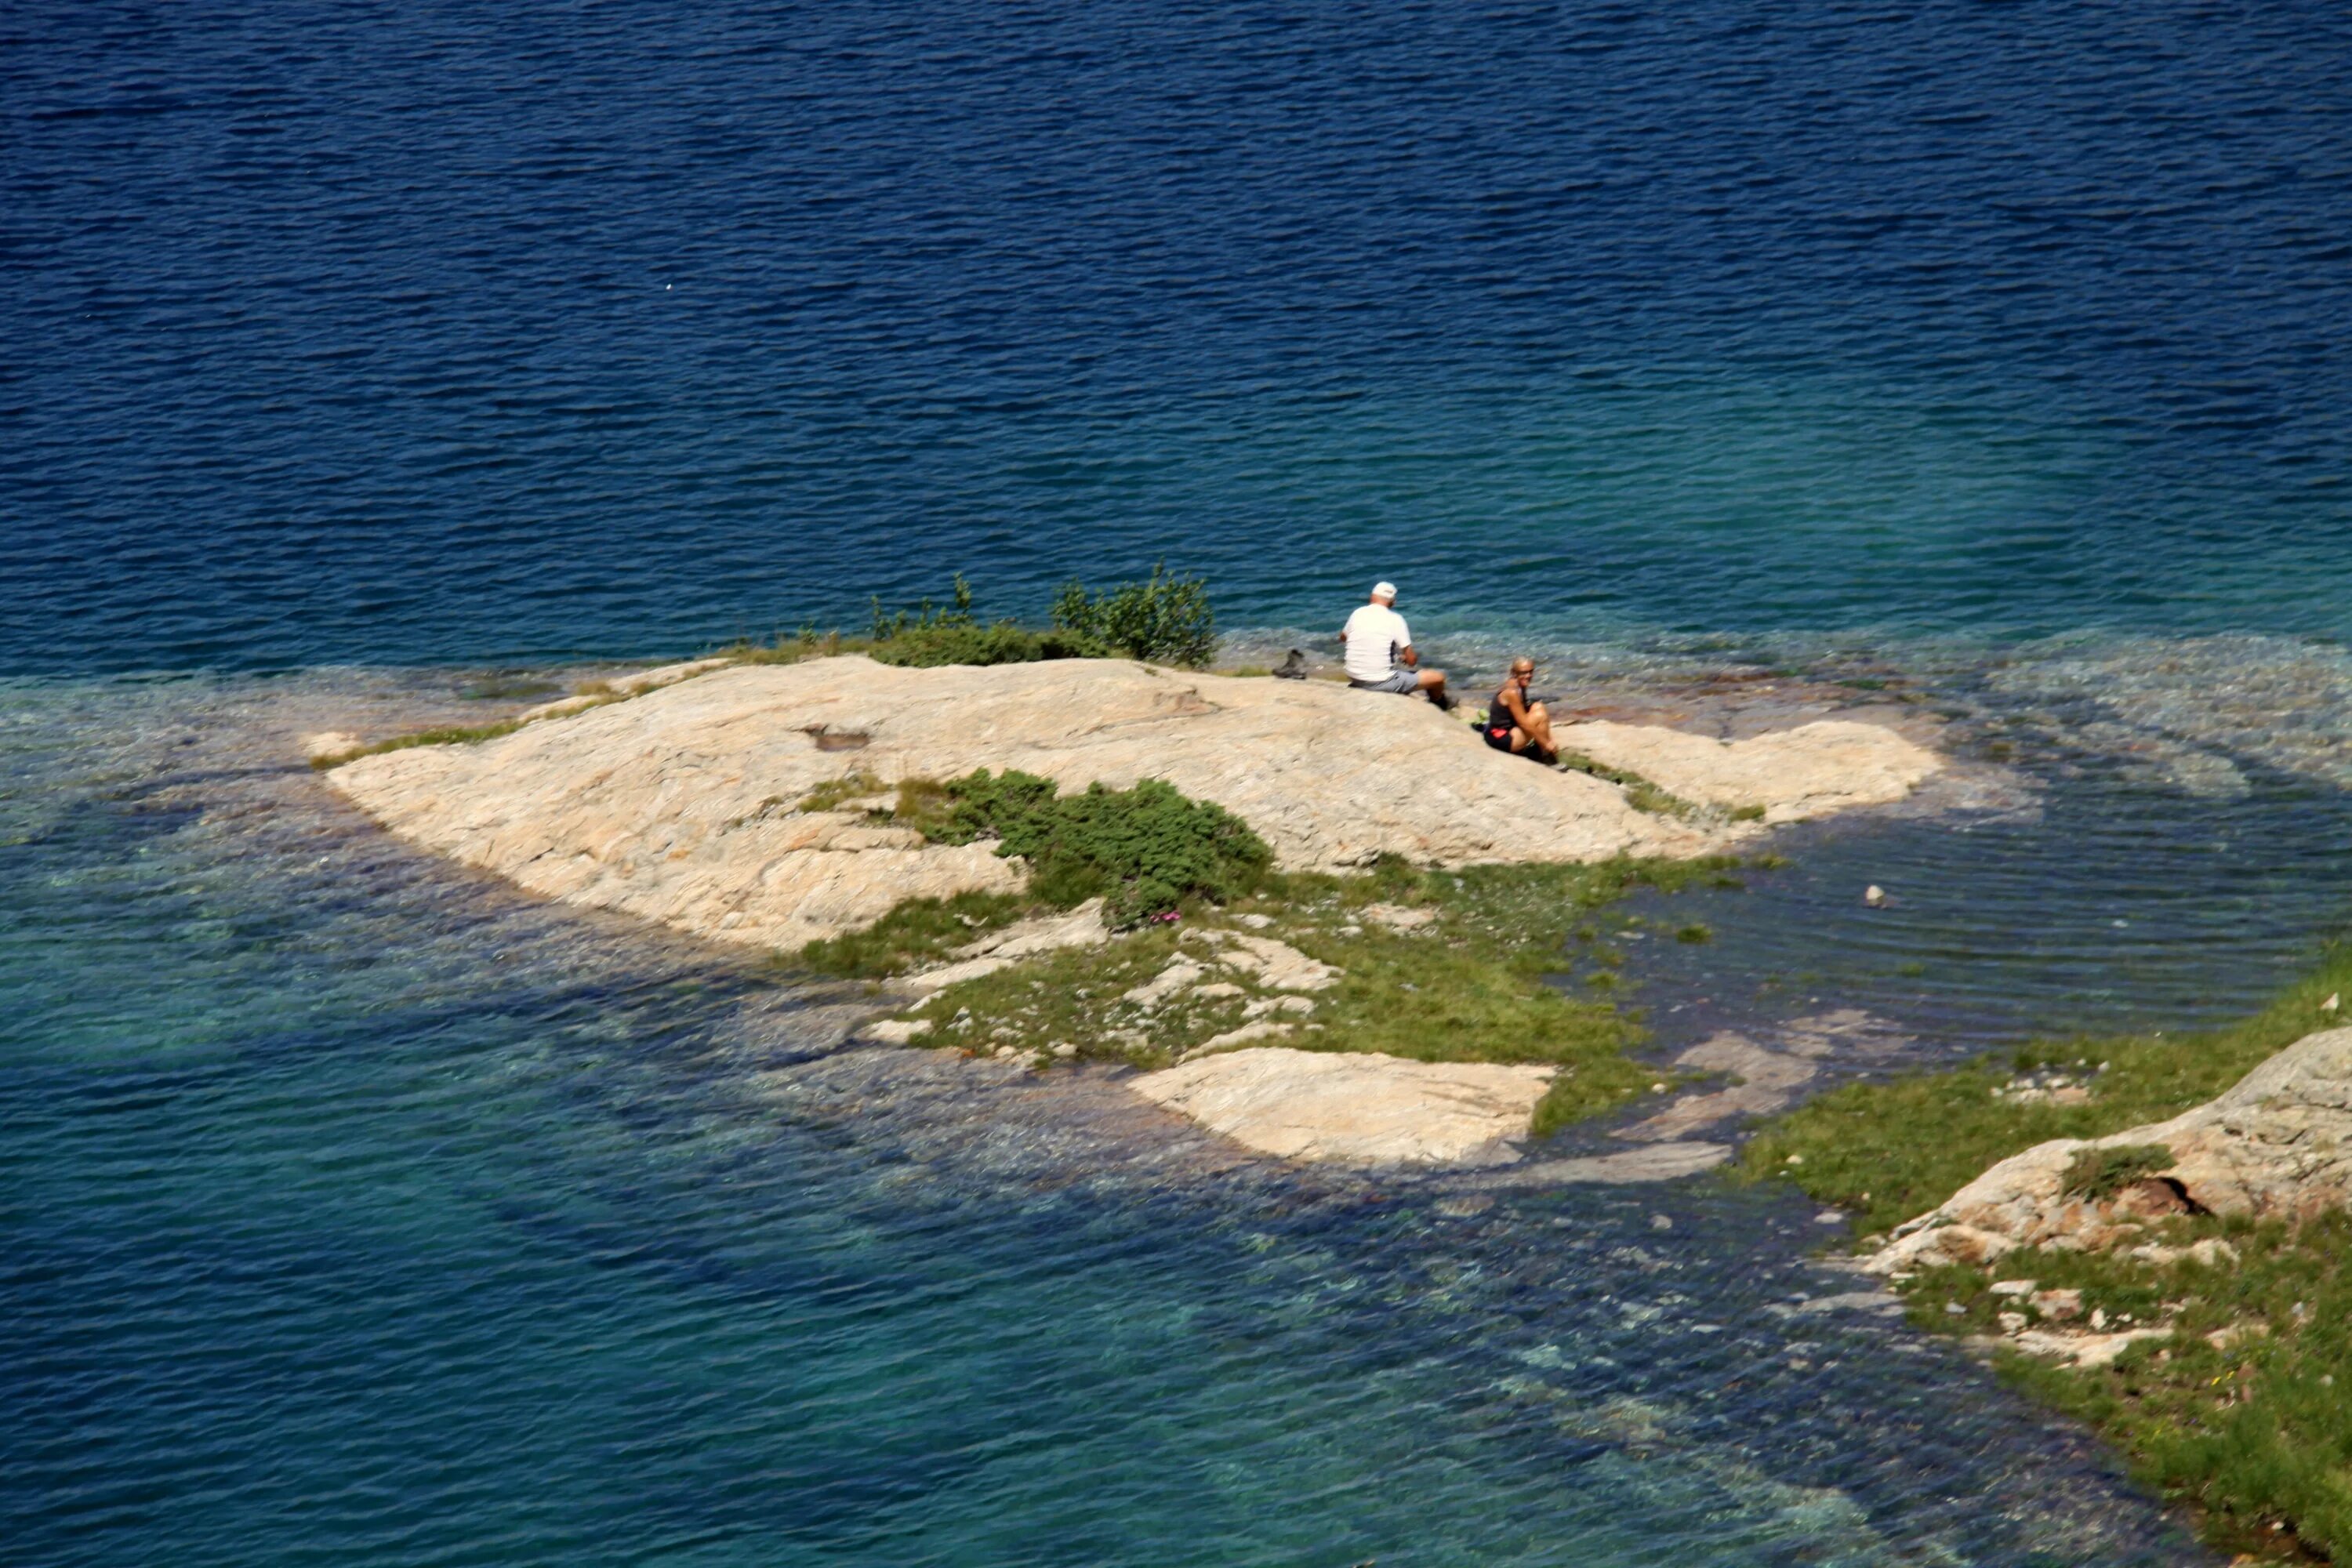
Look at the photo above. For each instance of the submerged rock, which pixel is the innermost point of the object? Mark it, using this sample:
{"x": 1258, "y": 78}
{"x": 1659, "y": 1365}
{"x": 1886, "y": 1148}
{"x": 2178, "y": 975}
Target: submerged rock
{"x": 2277, "y": 1146}
{"x": 1359, "y": 1108}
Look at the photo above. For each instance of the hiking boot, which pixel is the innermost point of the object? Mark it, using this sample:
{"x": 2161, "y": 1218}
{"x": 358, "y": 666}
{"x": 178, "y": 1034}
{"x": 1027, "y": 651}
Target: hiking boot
{"x": 1446, "y": 703}
{"x": 1292, "y": 668}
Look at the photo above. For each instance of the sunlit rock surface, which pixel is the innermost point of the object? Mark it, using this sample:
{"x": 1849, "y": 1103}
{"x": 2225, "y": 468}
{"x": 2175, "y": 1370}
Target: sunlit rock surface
{"x": 1788, "y": 774}
{"x": 1355, "y": 1108}
{"x": 2278, "y": 1144}
{"x": 683, "y": 806}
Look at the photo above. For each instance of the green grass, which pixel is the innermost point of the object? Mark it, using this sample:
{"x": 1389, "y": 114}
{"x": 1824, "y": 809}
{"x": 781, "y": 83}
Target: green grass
{"x": 915, "y": 935}
{"x": 2252, "y": 1436}
{"x": 1166, "y": 620}
{"x": 2096, "y": 1174}
{"x": 1644, "y": 796}
{"x": 451, "y": 735}
{"x": 1885, "y": 1152}
{"x": 1469, "y": 986}
{"x": 857, "y": 785}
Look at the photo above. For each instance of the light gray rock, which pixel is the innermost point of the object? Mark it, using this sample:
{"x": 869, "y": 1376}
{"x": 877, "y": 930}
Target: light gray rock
{"x": 1768, "y": 1081}
{"x": 1811, "y": 770}
{"x": 1656, "y": 1162}
{"x": 1277, "y": 965}
{"x": 1355, "y": 1108}
{"x": 681, "y": 806}
{"x": 2278, "y": 1144}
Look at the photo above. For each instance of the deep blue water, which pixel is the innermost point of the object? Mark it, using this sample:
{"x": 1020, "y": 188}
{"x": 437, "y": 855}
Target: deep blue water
{"x": 356, "y": 1210}
{"x": 343, "y": 333}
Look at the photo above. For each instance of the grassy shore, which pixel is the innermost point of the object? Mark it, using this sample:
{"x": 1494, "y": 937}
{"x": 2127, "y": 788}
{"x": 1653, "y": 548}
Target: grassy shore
{"x": 1500, "y": 964}
{"x": 2244, "y": 1415}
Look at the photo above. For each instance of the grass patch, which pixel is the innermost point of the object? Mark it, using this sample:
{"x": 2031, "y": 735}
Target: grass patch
{"x": 1166, "y": 620}
{"x": 830, "y": 794}
{"x": 1885, "y": 1152}
{"x": 1144, "y": 850}
{"x": 2096, "y": 1174}
{"x": 451, "y": 735}
{"x": 2253, "y": 1435}
{"x": 915, "y": 935}
{"x": 1640, "y": 793}
{"x": 1468, "y": 985}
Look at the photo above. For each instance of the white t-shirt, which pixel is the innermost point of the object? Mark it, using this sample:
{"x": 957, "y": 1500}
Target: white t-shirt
{"x": 1375, "y": 634}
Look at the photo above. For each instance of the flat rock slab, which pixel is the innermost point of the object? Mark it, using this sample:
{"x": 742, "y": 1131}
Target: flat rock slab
{"x": 1813, "y": 770}
{"x": 682, "y": 805}
{"x": 1355, "y": 1109}
{"x": 2277, "y": 1146}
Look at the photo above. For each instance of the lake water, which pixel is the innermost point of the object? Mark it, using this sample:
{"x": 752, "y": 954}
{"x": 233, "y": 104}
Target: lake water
{"x": 357, "y": 1209}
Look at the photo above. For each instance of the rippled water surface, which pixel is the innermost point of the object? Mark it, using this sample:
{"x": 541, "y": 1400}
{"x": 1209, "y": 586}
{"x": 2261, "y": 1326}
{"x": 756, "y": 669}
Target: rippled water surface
{"x": 1989, "y": 363}
{"x": 360, "y": 1209}
{"x": 468, "y": 330}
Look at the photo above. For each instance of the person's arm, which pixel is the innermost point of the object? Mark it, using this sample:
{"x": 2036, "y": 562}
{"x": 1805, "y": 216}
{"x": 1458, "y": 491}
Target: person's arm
{"x": 1407, "y": 657}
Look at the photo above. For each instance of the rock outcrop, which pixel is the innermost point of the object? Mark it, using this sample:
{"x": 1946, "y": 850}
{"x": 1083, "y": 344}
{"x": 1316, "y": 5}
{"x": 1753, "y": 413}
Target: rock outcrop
{"x": 1813, "y": 770}
{"x": 2278, "y": 1144}
{"x": 682, "y": 804}
{"x": 1360, "y": 1109}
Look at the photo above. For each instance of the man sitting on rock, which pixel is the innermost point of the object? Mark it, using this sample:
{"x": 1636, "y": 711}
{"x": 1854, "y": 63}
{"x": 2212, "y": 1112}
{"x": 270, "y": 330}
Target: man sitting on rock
{"x": 1515, "y": 723}
{"x": 1381, "y": 656}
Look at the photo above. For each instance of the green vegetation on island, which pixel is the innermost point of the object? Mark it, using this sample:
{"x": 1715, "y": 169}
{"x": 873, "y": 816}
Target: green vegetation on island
{"x": 1428, "y": 963}
{"x": 1164, "y": 620}
{"x": 2244, "y": 1412}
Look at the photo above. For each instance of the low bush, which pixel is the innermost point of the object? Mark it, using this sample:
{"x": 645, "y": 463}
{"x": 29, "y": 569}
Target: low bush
{"x": 1144, "y": 849}
{"x": 1167, "y": 619}
{"x": 2096, "y": 1174}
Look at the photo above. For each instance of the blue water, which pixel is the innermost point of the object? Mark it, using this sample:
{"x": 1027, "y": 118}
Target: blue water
{"x": 355, "y": 1209}
{"x": 508, "y": 330}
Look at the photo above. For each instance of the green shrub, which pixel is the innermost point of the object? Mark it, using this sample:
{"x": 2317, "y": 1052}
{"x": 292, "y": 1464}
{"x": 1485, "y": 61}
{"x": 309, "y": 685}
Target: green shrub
{"x": 1167, "y": 620}
{"x": 932, "y": 635}
{"x": 1144, "y": 849}
{"x": 2097, "y": 1173}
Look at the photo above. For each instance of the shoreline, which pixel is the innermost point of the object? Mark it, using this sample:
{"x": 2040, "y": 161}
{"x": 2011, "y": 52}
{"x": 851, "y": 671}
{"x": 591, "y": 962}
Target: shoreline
{"x": 2056, "y": 1392}
{"x": 819, "y": 801}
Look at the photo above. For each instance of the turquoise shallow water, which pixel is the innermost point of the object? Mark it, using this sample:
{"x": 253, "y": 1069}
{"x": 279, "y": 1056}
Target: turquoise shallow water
{"x": 355, "y": 1210}
{"x": 360, "y": 1209}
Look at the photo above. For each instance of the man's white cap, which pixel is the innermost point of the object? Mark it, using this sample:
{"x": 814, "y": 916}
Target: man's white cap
{"x": 1384, "y": 590}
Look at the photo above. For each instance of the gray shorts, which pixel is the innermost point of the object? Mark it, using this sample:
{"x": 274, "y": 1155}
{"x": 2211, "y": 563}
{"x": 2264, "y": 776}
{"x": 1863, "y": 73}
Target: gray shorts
{"x": 1403, "y": 682}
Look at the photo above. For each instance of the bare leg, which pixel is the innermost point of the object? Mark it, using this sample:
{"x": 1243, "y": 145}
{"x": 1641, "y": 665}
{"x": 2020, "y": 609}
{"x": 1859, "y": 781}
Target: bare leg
{"x": 1432, "y": 682}
{"x": 1538, "y": 727}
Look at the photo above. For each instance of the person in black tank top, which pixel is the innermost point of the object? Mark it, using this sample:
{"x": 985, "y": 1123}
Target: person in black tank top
{"x": 1515, "y": 724}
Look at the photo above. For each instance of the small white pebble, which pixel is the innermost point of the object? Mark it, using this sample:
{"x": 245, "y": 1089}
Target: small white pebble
{"x": 1660, "y": 1222}
{"x": 1657, "y": 1089}
{"x": 1796, "y": 1159}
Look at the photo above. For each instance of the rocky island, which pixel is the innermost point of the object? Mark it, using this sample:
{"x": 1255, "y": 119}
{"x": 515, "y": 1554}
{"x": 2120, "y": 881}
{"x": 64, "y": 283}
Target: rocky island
{"x": 773, "y": 805}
